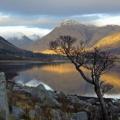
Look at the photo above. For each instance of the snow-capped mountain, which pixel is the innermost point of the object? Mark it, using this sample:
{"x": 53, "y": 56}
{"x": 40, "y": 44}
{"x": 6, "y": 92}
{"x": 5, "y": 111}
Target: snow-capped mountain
{"x": 20, "y": 41}
{"x": 89, "y": 33}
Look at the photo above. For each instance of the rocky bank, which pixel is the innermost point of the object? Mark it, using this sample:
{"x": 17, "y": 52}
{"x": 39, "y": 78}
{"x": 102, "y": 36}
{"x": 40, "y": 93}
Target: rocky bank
{"x": 37, "y": 103}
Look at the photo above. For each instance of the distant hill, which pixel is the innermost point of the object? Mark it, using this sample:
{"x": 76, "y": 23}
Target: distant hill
{"x": 4, "y": 44}
{"x": 110, "y": 42}
{"x": 9, "y": 51}
{"x": 20, "y": 41}
{"x": 89, "y": 33}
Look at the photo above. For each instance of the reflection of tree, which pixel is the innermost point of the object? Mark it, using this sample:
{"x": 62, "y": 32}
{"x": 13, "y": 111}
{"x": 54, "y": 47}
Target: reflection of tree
{"x": 96, "y": 62}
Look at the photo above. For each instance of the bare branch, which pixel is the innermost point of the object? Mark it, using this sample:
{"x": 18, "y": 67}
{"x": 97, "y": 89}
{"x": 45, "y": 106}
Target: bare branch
{"x": 96, "y": 61}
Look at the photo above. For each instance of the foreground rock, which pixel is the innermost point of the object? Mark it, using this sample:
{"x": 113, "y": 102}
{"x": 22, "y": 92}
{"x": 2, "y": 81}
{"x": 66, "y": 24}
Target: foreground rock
{"x": 4, "y": 110}
{"x": 38, "y": 103}
{"x": 41, "y": 104}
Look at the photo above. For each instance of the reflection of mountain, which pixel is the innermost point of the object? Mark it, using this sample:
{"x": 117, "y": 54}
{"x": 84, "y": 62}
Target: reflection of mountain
{"x": 58, "y": 68}
{"x": 79, "y": 31}
{"x": 53, "y": 76}
{"x": 12, "y": 70}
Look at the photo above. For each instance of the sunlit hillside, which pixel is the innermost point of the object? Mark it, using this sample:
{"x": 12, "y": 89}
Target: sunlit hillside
{"x": 91, "y": 34}
{"x": 47, "y": 51}
{"x": 111, "y": 41}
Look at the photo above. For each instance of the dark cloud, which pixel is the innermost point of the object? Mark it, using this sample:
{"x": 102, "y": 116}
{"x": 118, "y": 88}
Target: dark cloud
{"x": 59, "y": 7}
{"x": 31, "y": 21}
{"x": 49, "y": 13}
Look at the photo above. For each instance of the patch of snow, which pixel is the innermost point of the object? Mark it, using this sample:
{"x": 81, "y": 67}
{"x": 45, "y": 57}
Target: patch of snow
{"x": 36, "y": 83}
{"x": 69, "y": 22}
{"x": 20, "y": 82}
{"x": 114, "y": 96}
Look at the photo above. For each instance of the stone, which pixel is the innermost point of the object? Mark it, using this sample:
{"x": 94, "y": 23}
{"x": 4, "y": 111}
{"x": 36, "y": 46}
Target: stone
{"x": 17, "y": 112}
{"x": 57, "y": 114}
{"x": 80, "y": 116}
{"x": 4, "y": 109}
{"x": 32, "y": 114}
{"x": 46, "y": 98}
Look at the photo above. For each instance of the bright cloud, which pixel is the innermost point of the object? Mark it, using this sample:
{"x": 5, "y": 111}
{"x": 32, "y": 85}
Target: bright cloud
{"x": 15, "y": 20}
{"x": 107, "y": 20}
{"x": 43, "y": 24}
{"x": 11, "y": 30}
{"x": 98, "y": 19}
{"x": 44, "y": 21}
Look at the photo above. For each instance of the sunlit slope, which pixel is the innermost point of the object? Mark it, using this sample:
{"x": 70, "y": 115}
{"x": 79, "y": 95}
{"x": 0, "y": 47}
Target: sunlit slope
{"x": 47, "y": 51}
{"x": 80, "y": 32}
{"x": 111, "y": 41}
{"x": 89, "y": 33}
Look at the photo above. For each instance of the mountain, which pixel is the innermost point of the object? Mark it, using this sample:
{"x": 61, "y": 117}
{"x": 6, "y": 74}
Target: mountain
{"x": 34, "y": 37}
{"x": 20, "y": 41}
{"x": 110, "y": 42}
{"x": 89, "y": 33}
{"x": 10, "y": 51}
{"x": 77, "y": 31}
{"x": 5, "y": 45}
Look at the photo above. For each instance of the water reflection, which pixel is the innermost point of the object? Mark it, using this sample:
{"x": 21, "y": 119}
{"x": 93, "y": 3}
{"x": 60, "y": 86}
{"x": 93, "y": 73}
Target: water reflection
{"x": 61, "y": 77}
{"x": 59, "y": 68}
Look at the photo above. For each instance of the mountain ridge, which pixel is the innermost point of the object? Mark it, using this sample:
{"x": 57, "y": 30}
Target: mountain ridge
{"x": 91, "y": 34}
{"x": 20, "y": 41}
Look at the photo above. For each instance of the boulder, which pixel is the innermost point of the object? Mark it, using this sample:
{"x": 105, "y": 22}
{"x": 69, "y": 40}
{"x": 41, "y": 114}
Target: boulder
{"x": 4, "y": 109}
{"x": 80, "y": 116}
{"x": 17, "y": 112}
{"x": 59, "y": 115}
{"x": 46, "y": 98}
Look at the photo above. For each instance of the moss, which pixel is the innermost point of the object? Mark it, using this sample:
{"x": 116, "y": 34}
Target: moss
{"x": 12, "y": 117}
{"x": 2, "y": 115}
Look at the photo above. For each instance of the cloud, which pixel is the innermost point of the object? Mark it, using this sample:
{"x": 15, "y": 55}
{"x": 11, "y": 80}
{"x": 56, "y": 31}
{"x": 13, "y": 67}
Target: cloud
{"x": 107, "y": 20}
{"x": 49, "y": 13}
{"x": 50, "y": 22}
{"x": 31, "y": 21}
{"x": 41, "y": 16}
{"x": 59, "y": 7}
{"x": 43, "y": 24}
{"x": 12, "y": 30}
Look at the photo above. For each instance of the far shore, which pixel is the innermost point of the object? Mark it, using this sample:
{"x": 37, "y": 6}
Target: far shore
{"x": 19, "y": 62}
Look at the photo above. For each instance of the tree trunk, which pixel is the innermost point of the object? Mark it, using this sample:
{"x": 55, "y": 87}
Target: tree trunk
{"x": 102, "y": 103}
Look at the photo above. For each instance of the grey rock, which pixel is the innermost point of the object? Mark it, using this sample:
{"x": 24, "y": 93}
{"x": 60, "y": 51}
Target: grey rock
{"x": 59, "y": 115}
{"x": 80, "y": 116}
{"x": 17, "y": 112}
{"x": 32, "y": 114}
{"x": 47, "y": 98}
{"x": 4, "y": 109}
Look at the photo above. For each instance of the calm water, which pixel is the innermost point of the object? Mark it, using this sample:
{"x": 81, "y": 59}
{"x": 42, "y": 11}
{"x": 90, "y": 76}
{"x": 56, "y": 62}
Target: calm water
{"x": 60, "y": 77}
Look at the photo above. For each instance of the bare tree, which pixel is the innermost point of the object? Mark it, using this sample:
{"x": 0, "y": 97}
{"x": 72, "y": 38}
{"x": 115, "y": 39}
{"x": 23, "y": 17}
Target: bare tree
{"x": 95, "y": 61}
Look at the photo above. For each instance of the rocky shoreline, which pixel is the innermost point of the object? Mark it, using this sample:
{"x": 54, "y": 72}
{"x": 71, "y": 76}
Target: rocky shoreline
{"x": 40, "y": 104}
{"x": 37, "y": 103}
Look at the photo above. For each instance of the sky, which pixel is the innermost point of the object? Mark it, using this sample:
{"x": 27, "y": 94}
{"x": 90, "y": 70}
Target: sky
{"x": 41, "y": 16}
